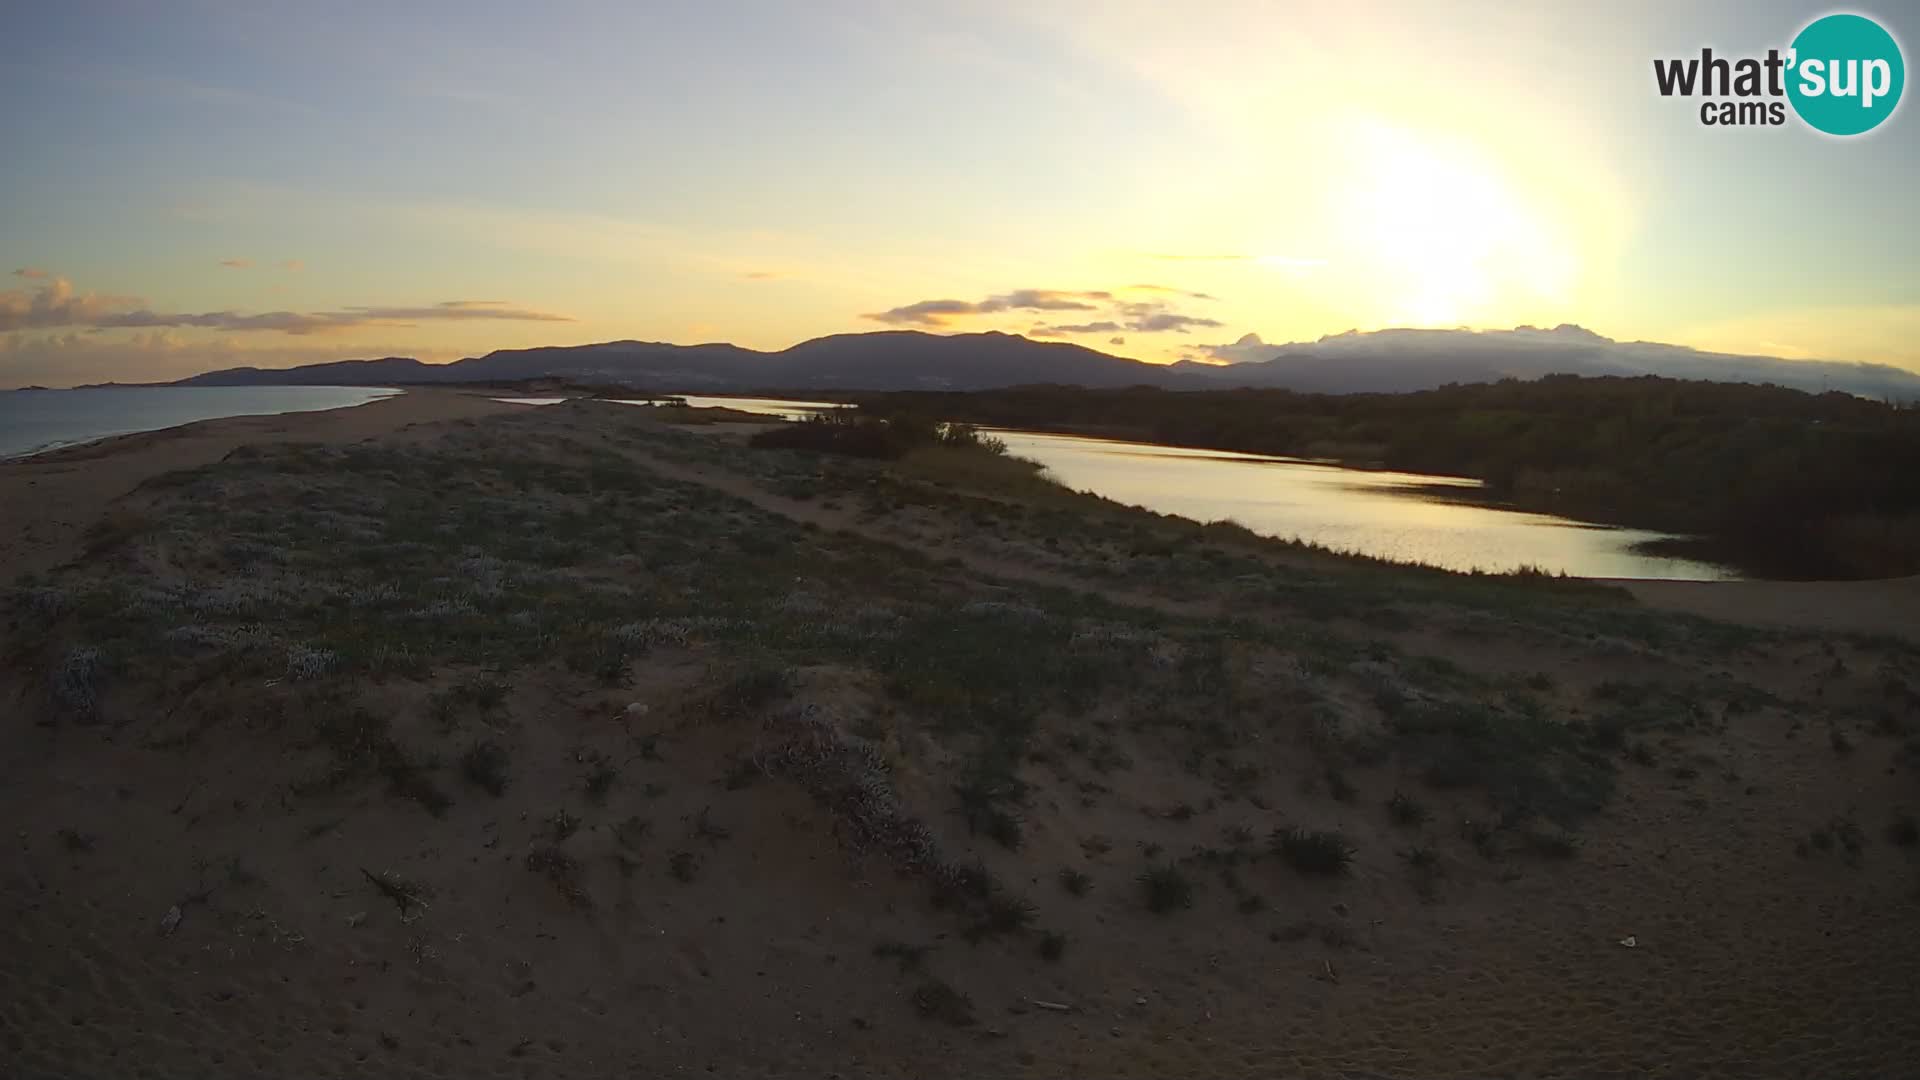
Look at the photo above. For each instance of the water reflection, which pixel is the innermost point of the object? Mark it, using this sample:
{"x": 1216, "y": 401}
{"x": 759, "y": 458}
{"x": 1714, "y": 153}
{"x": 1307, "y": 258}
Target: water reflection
{"x": 1393, "y": 515}
{"x": 790, "y": 410}
{"x": 1384, "y": 514}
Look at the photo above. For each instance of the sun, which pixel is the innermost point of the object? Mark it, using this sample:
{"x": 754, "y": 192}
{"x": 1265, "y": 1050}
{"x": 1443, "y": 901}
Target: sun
{"x": 1442, "y": 236}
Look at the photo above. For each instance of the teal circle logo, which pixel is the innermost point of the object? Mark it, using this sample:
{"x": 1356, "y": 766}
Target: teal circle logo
{"x": 1845, "y": 74}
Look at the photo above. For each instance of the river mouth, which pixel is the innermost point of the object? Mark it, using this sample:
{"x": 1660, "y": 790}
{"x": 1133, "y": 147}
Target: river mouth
{"x": 1439, "y": 521}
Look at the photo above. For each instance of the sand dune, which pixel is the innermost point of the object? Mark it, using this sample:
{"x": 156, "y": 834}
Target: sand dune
{"x": 53, "y": 498}
{"x": 1857, "y": 607}
{"x": 445, "y": 738}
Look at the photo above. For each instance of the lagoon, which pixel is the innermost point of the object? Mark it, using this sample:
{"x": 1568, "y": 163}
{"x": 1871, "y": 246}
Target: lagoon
{"x": 1388, "y": 515}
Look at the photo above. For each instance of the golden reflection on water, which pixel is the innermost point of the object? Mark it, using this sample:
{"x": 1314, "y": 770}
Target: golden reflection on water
{"x": 1383, "y": 514}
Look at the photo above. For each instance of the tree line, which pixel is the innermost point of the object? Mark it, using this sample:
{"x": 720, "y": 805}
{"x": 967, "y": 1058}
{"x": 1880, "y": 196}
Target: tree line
{"x": 1778, "y": 482}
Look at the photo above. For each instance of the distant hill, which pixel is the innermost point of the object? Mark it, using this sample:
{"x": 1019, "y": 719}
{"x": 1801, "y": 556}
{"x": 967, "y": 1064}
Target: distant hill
{"x": 1397, "y": 361}
{"x": 1381, "y": 361}
{"x": 887, "y": 360}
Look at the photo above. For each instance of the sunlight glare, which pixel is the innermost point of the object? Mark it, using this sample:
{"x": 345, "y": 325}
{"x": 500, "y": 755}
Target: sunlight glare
{"x": 1442, "y": 229}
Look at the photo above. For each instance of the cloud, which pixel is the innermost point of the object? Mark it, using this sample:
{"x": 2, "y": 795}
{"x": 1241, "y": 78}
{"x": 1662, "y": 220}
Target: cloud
{"x": 1249, "y": 349}
{"x": 1200, "y": 258}
{"x": 940, "y": 312}
{"x": 1043, "y": 300}
{"x": 457, "y": 309}
{"x": 1164, "y": 321}
{"x": 292, "y": 266}
{"x": 1154, "y": 316}
{"x": 923, "y": 313}
{"x": 1082, "y": 328}
{"x": 1116, "y": 341}
{"x": 31, "y": 273}
{"x": 56, "y": 304}
{"x": 1170, "y": 291}
{"x": 236, "y": 264}
{"x": 760, "y": 275}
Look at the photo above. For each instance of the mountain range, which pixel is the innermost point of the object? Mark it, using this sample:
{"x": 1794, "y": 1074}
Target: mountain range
{"x": 1380, "y": 361}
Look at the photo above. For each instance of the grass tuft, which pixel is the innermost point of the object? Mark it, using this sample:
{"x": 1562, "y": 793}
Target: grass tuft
{"x": 1404, "y": 810}
{"x": 1551, "y": 843}
{"x": 1314, "y": 851}
{"x": 561, "y": 869}
{"x": 1166, "y": 888}
{"x": 908, "y": 957}
{"x": 485, "y": 766}
{"x": 935, "y": 1000}
{"x": 1002, "y": 914}
{"x": 599, "y": 781}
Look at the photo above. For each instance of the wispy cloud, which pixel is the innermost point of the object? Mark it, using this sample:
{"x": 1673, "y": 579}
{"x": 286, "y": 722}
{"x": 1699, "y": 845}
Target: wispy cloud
{"x": 56, "y": 304}
{"x": 289, "y": 265}
{"x": 1249, "y": 349}
{"x": 942, "y": 312}
{"x": 1160, "y": 322}
{"x": 1170, "y": 291}
{"x": 1152, "y": 316}
{"x": 1292, "y": 263}
{"x": 31, "y": 273}
{"x": 1043, "y": 330}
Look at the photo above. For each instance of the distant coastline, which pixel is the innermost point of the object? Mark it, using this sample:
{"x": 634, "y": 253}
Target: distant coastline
{"x": 87, "y": 415}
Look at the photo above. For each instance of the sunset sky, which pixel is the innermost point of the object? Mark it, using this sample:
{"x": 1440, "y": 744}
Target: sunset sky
{"x": 193, "y": 185}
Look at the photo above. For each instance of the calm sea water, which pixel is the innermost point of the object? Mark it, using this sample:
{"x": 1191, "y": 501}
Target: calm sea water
{"x": 1373, "y": 513}
{"x": 32, "y": 421}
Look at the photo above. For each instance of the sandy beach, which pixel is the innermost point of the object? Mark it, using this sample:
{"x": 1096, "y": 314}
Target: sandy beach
{"x": 53, "y": 498}
{"x": 441, "y": 737}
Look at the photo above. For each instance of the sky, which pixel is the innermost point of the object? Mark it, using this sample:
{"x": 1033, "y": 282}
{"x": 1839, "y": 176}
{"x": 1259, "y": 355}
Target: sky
{"x": 192, "y": 185}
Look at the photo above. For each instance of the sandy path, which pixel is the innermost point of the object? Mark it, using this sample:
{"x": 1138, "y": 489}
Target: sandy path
{"x": 1866, "y": 607}
{"x": 50, "y": 500}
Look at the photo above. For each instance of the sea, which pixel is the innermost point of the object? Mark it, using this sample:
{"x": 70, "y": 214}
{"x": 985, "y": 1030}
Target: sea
{"x": 35, "y": 421}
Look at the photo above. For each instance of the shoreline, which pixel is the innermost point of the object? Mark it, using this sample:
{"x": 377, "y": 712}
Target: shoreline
{"x": 553, "y": 715}
{"x": 56, "y": 496}
{"x": 57, "y": 445}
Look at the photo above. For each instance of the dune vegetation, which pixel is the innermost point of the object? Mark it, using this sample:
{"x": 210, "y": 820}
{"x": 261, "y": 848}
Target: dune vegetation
{"x": 1779, "y": 482}
{"x": 572, "y": 740}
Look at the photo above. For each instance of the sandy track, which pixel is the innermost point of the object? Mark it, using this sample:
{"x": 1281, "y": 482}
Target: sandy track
{"x": 1865, "y": 607}
{"x": 52, "y": 499}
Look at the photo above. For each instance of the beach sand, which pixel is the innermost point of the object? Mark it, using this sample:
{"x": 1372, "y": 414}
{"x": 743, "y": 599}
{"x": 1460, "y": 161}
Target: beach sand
{"x": 1851, "y": 607}
{"x": 700, "y": 664}
{"x": 53, "y": 498}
